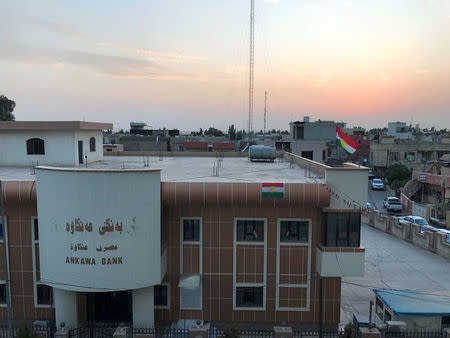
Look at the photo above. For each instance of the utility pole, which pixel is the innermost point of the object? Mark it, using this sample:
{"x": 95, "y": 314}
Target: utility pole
{"x": 265, "y": 111}
{"x": 251, "y": 67}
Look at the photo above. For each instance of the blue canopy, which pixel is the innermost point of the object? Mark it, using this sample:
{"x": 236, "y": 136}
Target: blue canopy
{"x": 415, "y": 303}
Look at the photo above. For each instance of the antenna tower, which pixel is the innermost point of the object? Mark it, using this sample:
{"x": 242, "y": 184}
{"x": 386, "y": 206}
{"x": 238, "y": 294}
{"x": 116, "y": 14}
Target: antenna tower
{"x": 251, "y": 67}
{"x": 265, "y": 111}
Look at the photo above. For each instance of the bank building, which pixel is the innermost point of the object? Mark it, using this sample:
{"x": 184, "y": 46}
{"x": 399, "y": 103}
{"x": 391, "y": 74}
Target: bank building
{"x": 146, "y": 240}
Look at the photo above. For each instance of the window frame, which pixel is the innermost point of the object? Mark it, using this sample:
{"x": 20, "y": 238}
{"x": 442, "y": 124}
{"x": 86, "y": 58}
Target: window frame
{"x": 200, "y": 245}
{"x": 33, "y": 146}
{"x": 5, "y": 304}
{"x": 2, "y": 238}
{"x": 254, "y": 243}
{"x": 190, "y": 241}
{"x": 35, "y": 281}
{"x": 163, "y": 307}
{"x": 349, "y": 226}
{"x": 92, "y": 145}
{"x": 249, "y": 242}
{"x": 51, "y": 296}
{"x": 294, "y": 243}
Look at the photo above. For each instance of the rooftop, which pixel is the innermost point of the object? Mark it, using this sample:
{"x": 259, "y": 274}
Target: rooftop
{"x": 192, "y": 169}
{"x": 54, "y": 125}
{"x": 415, "y": 303}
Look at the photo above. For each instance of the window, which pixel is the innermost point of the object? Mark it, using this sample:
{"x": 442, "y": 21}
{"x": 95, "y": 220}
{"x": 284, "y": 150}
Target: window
{"x": 190, "y": 299}
{"x": 395, "y": 156}
{"x": 249, "y": 296}
{"x": 307, "y": 154}
{"x": 36, "y": 229}
{"x": 1, "y": 229}
{"x": 191, "y": 230}
{"x": 445, "y": 321}
{"x": 324, "y": 154}
{"x": 410, "y": 156}
{"x": 294, "y": 231}
{"x": 387, "y": 315}
{"x": 35, "y": 146}
{"x": 341, "y": 229}
{"x": 161, "y": 296}
{"x": 250, "y": 231}
{"x": 2, "y": 293}
{"x": 379, "y": 308}
{"x": 92, "y": 144}
{"x": 44, "y": 294}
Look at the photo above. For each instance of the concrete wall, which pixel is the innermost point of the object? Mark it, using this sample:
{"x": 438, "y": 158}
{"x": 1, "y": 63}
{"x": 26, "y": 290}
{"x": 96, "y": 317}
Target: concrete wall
{"x": 85, "y": 136}
{"x": 432, "y": 241}
{"x": 175, "y": 154}
{"x": 350, "y": 184}
{"x": 317, "y": 147}
{"x": 340, "y": 262}
{"x": 59, "y": 148}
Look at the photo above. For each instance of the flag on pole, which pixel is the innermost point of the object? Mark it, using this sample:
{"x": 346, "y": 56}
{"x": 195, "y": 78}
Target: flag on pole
{"x": 345, "y": 141}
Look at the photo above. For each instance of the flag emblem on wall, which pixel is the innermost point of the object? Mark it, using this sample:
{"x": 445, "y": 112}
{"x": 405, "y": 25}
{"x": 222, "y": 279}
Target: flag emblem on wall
{"x": 345, "y": 141}
{"x": 272, "y": 190}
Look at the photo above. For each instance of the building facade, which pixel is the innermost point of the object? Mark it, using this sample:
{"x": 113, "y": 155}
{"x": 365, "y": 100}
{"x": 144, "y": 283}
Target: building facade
{"x": 253, "y": 244}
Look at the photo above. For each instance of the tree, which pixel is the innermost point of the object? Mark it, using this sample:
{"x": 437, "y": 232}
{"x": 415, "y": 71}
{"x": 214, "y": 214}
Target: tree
{"x": 211, "y": 131}
{"x": 6, "y": 108}
{"x": 397, "y": 175}
{"x": 239, "y": 135}
{"x": 232, "y": 132}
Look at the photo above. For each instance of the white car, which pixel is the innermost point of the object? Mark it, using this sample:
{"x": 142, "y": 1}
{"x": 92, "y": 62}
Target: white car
{"x": 377, "y": 184}
{"x": 392, "y": 204}
{"x": 422, "y": 222}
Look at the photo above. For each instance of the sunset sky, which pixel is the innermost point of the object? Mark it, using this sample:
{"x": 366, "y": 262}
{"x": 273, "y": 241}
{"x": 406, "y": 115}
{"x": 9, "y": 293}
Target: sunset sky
{"x": 184, "y": 64}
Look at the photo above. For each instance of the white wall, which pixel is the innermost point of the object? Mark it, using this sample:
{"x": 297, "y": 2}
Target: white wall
{"x": 421, "y": 322}
{"x": 65, "y": 308}
{"x": 143, "y": 309}
{"x": 340, "y": 264}
{"x": 351, "y": 184}
{"x": 85, "y": 135}
{"x": 130, "y": 198}
{"x": 61, "y": 147}
{"x": 58, "y": 148}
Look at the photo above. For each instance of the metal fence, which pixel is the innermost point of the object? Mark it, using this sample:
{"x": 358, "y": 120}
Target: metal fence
{"x": 92, "y": 331}
{"x": 414, "y": 334}
{"x": 47, "y": 331}
{"x": 316, "y": 333}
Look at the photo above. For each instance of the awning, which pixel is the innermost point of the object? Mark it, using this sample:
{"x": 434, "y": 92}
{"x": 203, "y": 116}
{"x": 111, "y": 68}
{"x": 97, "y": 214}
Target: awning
{"x": 190, "y": 282}
{"x": 411, "y": 188}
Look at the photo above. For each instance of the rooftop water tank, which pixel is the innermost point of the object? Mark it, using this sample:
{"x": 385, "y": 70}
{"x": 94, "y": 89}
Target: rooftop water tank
{"x": 261, "y": 153}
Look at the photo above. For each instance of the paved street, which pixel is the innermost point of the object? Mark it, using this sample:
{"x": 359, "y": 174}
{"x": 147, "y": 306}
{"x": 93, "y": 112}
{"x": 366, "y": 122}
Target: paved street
{"x": 391, "y": 263}
{"x": 376, "y": 197}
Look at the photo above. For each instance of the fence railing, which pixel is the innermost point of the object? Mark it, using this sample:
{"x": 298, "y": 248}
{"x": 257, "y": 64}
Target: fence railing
{"x": 415, "y": 334}
{"x": 47, "y": 331}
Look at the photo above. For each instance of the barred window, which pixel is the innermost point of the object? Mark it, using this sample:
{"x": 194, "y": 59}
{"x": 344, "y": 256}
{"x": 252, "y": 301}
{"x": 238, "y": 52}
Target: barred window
{"x": 35, "y": 146}
{"x": 294, "y": 231}
{"x": 250, "y": 231}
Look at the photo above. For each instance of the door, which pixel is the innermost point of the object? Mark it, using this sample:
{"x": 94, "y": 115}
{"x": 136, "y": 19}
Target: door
{"x": 80, "y": 152}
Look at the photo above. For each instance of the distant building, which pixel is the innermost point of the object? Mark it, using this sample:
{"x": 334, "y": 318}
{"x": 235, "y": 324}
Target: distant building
{"x": 416, "y": 155}
{"x": 221, "y": 240}
{"x": 30, "y": 143}
{"x": 428, "y": 194}
{"x": 399, "y": 130}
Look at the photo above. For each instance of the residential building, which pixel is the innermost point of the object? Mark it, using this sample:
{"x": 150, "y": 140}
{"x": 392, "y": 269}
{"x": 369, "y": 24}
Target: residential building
{"x": 428, "y": 193}
{"x": 399, "y": 130}
{"x": 416, "y": 155}
{"x": 249, "y": 243}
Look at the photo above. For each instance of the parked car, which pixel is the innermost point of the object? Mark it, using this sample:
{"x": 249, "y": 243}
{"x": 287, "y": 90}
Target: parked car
{"x": 377, "y": 184}
{"x": 370, "y": 206}
{"x": 371, "y": 175}
{"x": 422, "y": 222}
{"x": 392, "y": 204}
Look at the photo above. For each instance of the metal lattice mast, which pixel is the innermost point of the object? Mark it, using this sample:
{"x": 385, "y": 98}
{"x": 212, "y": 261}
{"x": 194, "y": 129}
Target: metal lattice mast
{"x": 251, "y": 67}
{"x": 265, "y": 111}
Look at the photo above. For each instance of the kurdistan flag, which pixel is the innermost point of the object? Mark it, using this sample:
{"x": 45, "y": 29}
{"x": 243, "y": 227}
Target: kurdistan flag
{"x": 274, "y": 190}
{"x": 345, "y": 141}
